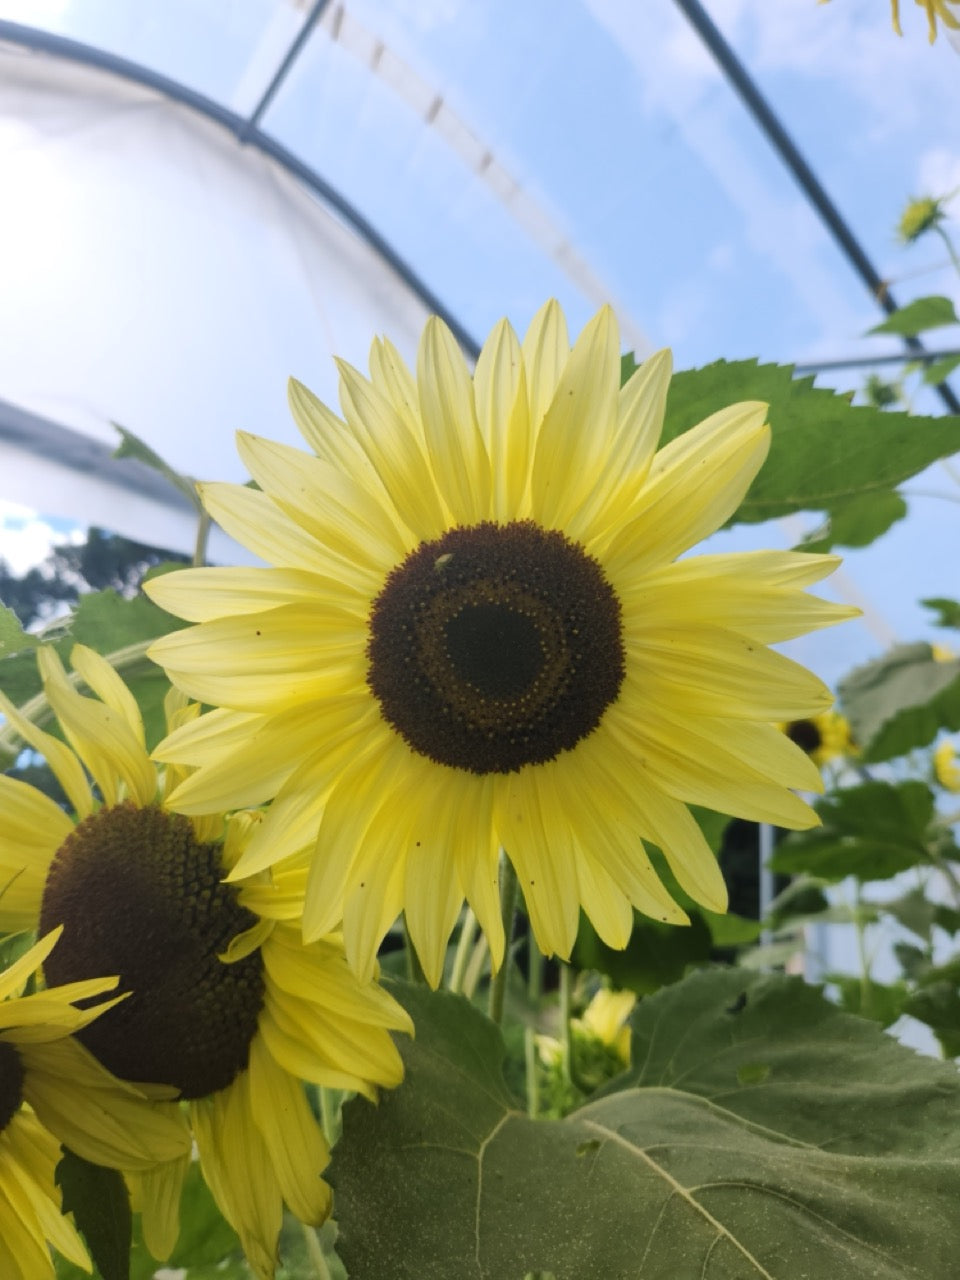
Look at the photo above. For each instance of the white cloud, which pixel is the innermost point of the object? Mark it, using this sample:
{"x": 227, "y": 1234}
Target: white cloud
{"x": 26, "y": 538}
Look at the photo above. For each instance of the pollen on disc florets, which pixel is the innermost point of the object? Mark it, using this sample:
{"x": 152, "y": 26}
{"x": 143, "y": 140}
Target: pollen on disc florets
{"x": 11, "y": 1083}
{"x": 495, "y": 646}
{"x": 138, "y": 896}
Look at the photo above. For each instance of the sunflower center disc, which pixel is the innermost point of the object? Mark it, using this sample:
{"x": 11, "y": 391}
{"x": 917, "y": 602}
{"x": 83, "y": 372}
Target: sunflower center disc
{"x": 495, "y": 646}
{"x": 11, "y": 1083}
{"x": 805, "y": 734}
{"x": 139, "y": 897}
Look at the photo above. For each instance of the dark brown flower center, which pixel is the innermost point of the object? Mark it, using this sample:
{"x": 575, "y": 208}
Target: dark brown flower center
{"x": 805, "y": 734}
{"x": 11, "y": 1083}
{"x": 139, "y": 897}
{"x": 495, "y": 646}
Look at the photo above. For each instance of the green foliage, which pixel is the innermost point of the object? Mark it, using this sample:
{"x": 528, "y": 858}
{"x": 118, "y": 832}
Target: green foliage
{"x": 107, "y": 622}
{"x": 872, "y": 831}
{"x": 826, "y": 455}
{"x": 206, "y": 1249}
{"x": 131, "y": 446}
{"x": 13, "y": 638}
{"x": 858, "y": 522}
{"x": 100, "y": 1205}
{"x": 883, "y": 1003}
{"x": 763, "y": 1132}
{"x": 949, "y": 611}
{"x": 900, "y": 701}
{"x": 916, "y": 317}
{"x": 939, "y": 370}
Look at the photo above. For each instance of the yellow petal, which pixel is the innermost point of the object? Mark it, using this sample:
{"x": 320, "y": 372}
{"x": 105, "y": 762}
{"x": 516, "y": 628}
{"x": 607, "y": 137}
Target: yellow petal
{"x": 294, "y": 1141}
{"x": 458, "y": 457}
{"x": 579, "y": 425}
{"x": 546, "y": 349}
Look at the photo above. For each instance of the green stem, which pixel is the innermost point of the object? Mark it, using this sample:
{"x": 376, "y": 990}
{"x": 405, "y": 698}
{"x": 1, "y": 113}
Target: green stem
{"x": 203, "y": 535}
{"x": 468, "y": 931}
{"x": 534, "y": 991}
{"x": 508, "y": 906}
{"x": 315, "y": 1253}
{"x": 475, "y": 967}
{"x": 330, "y": 1113}
{"x": 566, "y": 1030}
{"x": 950, "y": 249}
{"x": 414, "y": 967}
{"x": 865, "y": 981}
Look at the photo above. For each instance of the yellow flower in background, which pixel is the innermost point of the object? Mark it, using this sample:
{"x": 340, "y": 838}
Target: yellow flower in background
{"x": 942, "y": 9}
{"x": 922, "y": 214}
{"x": 228, "y": 1008}
{"x": 605, "y": 1018}
{"x": 52, "y": 1090}
{"x": 942, "y": 653}
{"x": 824, "y": 737}
{"x": 478, "y": 635}
{"x": 945, "y": 768}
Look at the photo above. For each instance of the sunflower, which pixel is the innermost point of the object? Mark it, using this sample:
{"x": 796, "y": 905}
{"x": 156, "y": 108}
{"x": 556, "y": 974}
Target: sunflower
{"x": 945, "y": 767}
{"x": 227, "y": 1007}
{"x": 478, "y": 635}
{"x": 824, "y": 737}
{"x": 52, "y": 1090}
{"x": 934, "y": 9}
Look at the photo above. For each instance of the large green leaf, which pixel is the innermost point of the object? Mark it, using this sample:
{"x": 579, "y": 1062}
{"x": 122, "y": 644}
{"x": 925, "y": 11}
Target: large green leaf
{"x": 932, "y": 312}
{"x": 826, "y": 454}
{"x": 763, "y": 1133}
{"x": 873, "y": 831}
{"x": 901, "y": 701}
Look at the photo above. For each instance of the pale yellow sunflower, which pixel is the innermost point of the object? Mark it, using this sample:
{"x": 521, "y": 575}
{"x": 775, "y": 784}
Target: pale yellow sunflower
{"x": 478, "y": 635}
{"x": 942, "y": 9}
{"x": 945, "y": 767}
{"x": 53, "y": 1090}
{"x": 945, "y": 10}
{"x": 825, "y": 737}
{"x": 228, "y": 1007}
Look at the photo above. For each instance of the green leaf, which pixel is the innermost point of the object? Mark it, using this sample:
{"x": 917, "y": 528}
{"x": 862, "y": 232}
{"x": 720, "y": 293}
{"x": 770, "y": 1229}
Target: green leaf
{"x": 923, "y": 313}
{"x": 873, "y": 831}
{"x": 99, "y": 1202}
{"x": 938, "y": 1005}
{"x": 939, "y": 370}
{"x": 949, "y": 611}
{"x": 901, "y": 701}
{"x": 13, "y": 638}
{"x": 858, "y": 522}
{"x": 869, "y": 999}
{"x": 131, "y": 446}
{"x": 763, "y": 1133}
{"x": 656, "y": 954}
{"x": 826, "y": 455}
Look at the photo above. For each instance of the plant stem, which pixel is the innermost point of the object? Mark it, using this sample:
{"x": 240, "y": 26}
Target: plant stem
{"x": 475, "y": 967}
{"x": 315, "y": 1253}
{"x": 330, "y": 1113}
{"x": 468, "y": 931}
{"x": 203, "y": 534}
{"x": 508, "y": 906}
{"x": 534, "y": 991}
{"x": 414, "y": 967}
